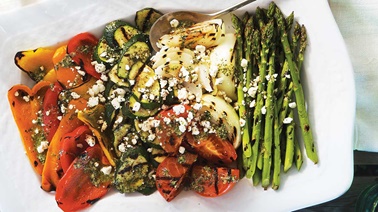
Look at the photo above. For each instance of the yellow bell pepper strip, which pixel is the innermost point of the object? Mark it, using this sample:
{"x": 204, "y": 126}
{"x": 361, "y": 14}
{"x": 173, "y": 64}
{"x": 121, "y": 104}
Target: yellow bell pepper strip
{"x": 50, "y": 76}
{"x": 91, "y": 118}
{"x": 52, "y": 171}
{"x": 36, "y": 63}
{"x": 26, "y": 106}
{"x": 67, "y": 72}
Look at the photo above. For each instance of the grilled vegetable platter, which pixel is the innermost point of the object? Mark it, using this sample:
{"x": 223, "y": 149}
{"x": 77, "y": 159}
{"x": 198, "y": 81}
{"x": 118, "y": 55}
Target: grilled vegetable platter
{"x": 210, "y": 108}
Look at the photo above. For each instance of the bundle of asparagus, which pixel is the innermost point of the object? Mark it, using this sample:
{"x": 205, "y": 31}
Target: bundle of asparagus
{"x": 269, "y": 55}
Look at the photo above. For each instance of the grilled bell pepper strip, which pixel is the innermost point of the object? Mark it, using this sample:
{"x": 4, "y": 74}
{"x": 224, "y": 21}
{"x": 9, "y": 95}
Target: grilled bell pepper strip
{"x": 52, "y": 171}
{"x": 81, "y": 48}
{"x": 76, "y": 190}
{"x": 26, "y": 106}
{"x": 91, "y": 118}
{"x": 51, "y": 111}
{"x": 36, "y": 63}
{"x": 66, "y": 70}
{"x": 73, "y": 144}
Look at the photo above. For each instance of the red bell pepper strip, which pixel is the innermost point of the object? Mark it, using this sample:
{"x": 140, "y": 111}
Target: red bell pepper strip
{"x": 52, "y": 171}
{"x": 51, "y": 111}
{"x": 75, "y": 191}
{"x": 81, "y": 48}
{"x": 73, "y": 145}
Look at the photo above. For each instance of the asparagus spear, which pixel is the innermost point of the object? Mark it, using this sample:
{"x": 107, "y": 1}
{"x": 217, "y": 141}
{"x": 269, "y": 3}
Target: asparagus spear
{"x": 298, "y": 90}
{"x": 289, "y": 154}
{"x": 267, "y": 33}
{"x": 277, "y": 151}
{"x": 238, "y": 25}
{"x": 269, "y": 117}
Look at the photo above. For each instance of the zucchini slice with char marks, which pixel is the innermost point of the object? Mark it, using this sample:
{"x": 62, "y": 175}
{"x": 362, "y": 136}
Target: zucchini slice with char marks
{"x": 136, "y": 53}
{"x": 105, "y": 54}
{"x": 133, "y": 171}
{"x": 145, "y": 18}
{"x": 133, "y": 108}
{"x": 118, "y": 32}
{"x": 147, "y": 89}
{"x": 124, "y": 33}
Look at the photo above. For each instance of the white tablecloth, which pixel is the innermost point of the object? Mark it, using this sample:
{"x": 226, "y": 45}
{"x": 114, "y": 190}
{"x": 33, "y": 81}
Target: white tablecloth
{"x": 357, "y": 20}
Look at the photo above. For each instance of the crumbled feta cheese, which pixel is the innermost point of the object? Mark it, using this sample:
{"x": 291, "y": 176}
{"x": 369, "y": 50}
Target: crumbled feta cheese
{"x": 136, "y": 106}
{"x": 178, "y": 109}
{"x": 81, "y": 72}
{"x": 181, "y": 150}
{"x": 43, "y": 146}
{"x": 92, "y": 101}
{"x": 242, "y": 122}
{"x": 151, "y": 137}
{"x": 26, "y": 98}
{"x": 99, "y": 67}
{"x": 197, "y": 106}
{"x": 106, "y": 170}
{"x": 182, "y": 94}
{"x": 200, "y": 48}
{"x": 150, "y": 82}
{"x": 292, "y": 105}
{"x": 287, "y": 120}
{"x": 75, "y": 95}
{"x": 91, "y": 141}
{"x": 174, "y": 23}
{"x": 244, "y": 63}
{"x": 263, "y": 110}
{"x": 167, "y": 120}
{"x": 195, "y": 131}
{"x": 122, "y": 147}
{"x": 252, "y": 91}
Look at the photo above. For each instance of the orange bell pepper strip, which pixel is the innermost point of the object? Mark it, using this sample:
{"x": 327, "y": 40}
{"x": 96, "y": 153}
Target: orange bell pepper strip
{"x": 26, "y": 106}
{"x": 36, "y": 63}
{"x": 76, "y": 190}
{"x": 90, "y": 117}
{"x": 66, "y": 70}
{"x": 52, "y": 171}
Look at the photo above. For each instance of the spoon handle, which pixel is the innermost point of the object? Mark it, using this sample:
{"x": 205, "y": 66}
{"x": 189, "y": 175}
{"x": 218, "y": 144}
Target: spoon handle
{"x": 230, "y": 9}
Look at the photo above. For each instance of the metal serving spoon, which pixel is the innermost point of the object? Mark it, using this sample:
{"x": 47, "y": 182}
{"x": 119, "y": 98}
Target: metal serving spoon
{"x": 163, "y": 26}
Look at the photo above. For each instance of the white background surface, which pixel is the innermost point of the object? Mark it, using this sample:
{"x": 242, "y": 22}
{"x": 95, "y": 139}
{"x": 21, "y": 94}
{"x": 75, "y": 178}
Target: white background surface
{"x": 330, "y": 94}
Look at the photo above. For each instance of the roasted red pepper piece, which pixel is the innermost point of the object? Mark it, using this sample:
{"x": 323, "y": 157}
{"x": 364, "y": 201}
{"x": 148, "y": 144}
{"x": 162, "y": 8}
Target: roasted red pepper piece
{"x": 75, "y": 191}
{"x": 51, "y": 111}
{"x": 213, "y": 181}
{"x": 52, "y": 171}
{"x": 81, "y": 47}
{"x": 171, "y": 173}
{"x": 73, "y": 145}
